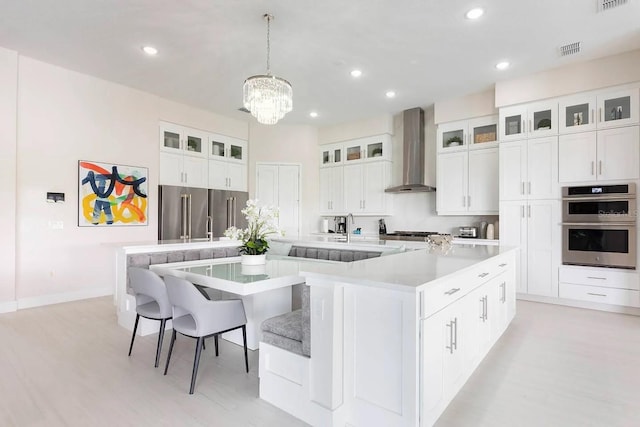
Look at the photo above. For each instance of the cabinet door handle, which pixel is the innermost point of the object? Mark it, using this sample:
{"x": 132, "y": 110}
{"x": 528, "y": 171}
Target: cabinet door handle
{"x": 454, "y": 344}
{"x": 469, "y": 201}
{"x": 600, "y": 167}
{"x": 464, "y": 201}
{"x": 452, "y": 291}
{"x": 522, "y": 211}
{"x": 524, "y": 129}
{"x": 522, "y": 192}
{"x": 529, "y": 187}
{"x": 503, "y": 285}
{"x": 450, "y": 346}
{"x": 596, "y": 295}
{"x": 186, "y": 177}
{"x": 529, "y": 211}
{"x": 504, "y": 264}
{"x": 600, "y": 114}
{"x": 592, "y": 114}
{"x": 592, "y": 168}
{"x": 596, "y": 278}
{"x": 485, "y": 274}
{"x": 481, "y": 308}
{"x": 486, "y": 308}
{"x": 530, "y": 126}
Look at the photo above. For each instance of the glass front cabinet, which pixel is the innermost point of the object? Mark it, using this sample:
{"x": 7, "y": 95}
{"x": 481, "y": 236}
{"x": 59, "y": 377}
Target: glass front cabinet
{"x": 331, "y": 155}
{"x": 481, "y": 132}
{"x": 227, "y": 148}
{"x": 598, "y": 110}
{"x": 180, "y": 139}
{"x": 529, "y": 120}
{"x": 367, "y": 149}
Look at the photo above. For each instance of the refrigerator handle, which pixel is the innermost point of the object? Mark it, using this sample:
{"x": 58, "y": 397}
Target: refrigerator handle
{"x": 235, "y": 211}
{"x": 229, "y": 212}
{"x": 183, "y": 228}
{"x": 190, "y": 215}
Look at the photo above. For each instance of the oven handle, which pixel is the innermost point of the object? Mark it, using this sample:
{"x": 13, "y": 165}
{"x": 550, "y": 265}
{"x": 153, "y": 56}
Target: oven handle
{"x": 602, "y": 224}
{"x": 603, "y": 198}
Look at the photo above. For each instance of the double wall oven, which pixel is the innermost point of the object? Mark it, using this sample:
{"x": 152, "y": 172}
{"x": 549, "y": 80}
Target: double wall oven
{"x": 599, "y": 225}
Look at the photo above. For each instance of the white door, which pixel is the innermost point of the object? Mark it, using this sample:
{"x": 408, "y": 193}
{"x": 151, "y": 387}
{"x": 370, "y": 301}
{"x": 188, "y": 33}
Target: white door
{"x": 483, "y": 181}
{"x": 279, "y": 185}
{"x": 577, "y": 157}
{"x": 618, "y": 153}
{"x": 337, "y": 189}
{"x": 618, "y": 108}
{"x": 218, "y": 175}
{"x": 452, "y": 183}
{"x": 237, "y": 176}
{"x": 543, "y": 247}
{"x": 373, "y": 187}
{"x": 353, "y": 188}
{"x": 542, "y": 168}
{"x": 513, "y": 232}
{"x": 326, "y": 185}
{"x": 513, "y": 170}
{"x": 171, "y": 169}
{"x": 196, "y": 171}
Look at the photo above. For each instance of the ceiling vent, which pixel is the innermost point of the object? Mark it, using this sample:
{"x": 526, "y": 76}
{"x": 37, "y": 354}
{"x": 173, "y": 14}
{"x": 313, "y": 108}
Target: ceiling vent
{"x": 610, "y": 4}
{"x": 570, "y": 49}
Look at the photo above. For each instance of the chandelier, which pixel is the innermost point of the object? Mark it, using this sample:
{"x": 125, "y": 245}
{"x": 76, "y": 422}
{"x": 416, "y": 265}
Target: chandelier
{"x": 267, "y": 97}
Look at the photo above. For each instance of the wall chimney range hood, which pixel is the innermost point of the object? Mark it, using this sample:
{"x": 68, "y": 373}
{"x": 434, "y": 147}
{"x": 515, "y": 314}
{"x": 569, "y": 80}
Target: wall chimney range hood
{"x": 412, "y": 154}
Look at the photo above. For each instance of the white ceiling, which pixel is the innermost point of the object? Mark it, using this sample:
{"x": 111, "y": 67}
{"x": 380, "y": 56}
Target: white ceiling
{"x": 425, "y": 50}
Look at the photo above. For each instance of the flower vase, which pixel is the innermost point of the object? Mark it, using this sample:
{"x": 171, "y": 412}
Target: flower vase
{"x": 253, "y": 259}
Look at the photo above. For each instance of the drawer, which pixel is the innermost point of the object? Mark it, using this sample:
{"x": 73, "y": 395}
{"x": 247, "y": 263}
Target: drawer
{"x": 599, "y": 294}
{"x": 439, "y": 295}
{"x": 601, "y": 277}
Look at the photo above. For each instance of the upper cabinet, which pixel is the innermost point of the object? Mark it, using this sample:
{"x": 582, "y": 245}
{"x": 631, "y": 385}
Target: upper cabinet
{"x": 222, "y": 147}
{"x": 180, "y": 139}
{"x": 331, "y": 155}
{"x": 529, "y": 120}
{"x": 370, "y": 148}
{"x": 481, "y": 132}
{"x": 598, "y": 110}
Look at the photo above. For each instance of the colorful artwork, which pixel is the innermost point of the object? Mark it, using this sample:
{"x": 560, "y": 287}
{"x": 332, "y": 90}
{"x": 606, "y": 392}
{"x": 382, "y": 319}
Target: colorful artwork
{"x": 110, "y": 195}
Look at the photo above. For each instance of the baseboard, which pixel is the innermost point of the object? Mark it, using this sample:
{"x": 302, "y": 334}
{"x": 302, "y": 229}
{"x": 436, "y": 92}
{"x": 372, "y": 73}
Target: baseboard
{"x": 65, "y": 297}
{"x": 580, "y": 304}
{"x": 8, "y": 306}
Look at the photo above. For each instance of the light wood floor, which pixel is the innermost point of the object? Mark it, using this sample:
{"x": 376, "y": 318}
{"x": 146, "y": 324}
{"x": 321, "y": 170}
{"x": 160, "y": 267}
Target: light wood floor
{"x": 67, "y": 365}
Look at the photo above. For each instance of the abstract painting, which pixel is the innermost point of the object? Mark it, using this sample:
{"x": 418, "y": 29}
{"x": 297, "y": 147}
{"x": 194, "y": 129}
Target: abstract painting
{"x": 110, "y": 195}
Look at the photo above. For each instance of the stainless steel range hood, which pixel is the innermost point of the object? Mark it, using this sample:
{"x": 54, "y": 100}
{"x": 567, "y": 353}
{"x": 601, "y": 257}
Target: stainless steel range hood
{"x": 412, "y": 154}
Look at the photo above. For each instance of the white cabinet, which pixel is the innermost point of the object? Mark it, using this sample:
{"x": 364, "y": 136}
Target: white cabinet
{"x": 371, "y": 148}
{"x": 227, "y": 163}
{"x": 481, "y": 132}
{"x": 598, "y": 110}
{"x": 224, "y": 175}
{"x": 181, "y": 139}
{"x": 468, "y": 182}
{"x": 331, "y": 155}
{"x": 534, "y": 226}
{"x": 609, "y": 154}
{"x": 364, "y": 186}
{"x": 182, "y": 156}
{"x": 331, "y": 191}
{"x": 529, "y": 169}
{"x": 529, "y": 120}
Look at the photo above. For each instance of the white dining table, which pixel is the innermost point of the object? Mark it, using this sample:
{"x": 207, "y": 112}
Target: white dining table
{"x": 265, "y": 290}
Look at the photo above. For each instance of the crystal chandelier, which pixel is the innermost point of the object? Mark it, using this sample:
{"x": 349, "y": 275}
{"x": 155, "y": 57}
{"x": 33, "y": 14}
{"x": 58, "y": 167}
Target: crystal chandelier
{"x": 267, "y": 97}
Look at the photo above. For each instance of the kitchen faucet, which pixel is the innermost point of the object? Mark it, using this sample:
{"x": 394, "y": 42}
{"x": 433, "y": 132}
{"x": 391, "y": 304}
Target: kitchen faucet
{"x": 210, "y": 228}
{"x": 348, "y": 231}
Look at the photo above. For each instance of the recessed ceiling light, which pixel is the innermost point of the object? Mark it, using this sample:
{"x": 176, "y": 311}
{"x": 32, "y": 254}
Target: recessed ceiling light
{"x": 313, "y": 114}
{"x": 502, "y": 65}
{"x": 356, "y": 73}
{"x": 474, "y": 13}
{"x": 150, "y": 50}
{"x": 390, "y": 94}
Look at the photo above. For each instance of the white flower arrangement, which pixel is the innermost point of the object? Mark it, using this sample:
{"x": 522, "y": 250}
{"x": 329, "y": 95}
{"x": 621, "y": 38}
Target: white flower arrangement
{"x": 262, "y": 222}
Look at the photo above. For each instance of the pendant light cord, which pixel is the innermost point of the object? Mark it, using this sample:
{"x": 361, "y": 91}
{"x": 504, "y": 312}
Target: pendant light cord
{"x": 268, "y": 18}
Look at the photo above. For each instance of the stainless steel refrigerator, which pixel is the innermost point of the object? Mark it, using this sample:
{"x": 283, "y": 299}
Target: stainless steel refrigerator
{"x": 182, "y": 212}
{"x": 224, "y": 210}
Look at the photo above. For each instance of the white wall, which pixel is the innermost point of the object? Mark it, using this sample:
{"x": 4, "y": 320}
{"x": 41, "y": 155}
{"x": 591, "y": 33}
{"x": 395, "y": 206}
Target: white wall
{"x": 359, "y": 129}
{"x": 8, "y": 106}
{"x": 290, "y": 144}
{"x": 599, "y": 73}
{"x": 62, "y": 117}
{"x": 474, "y": 105}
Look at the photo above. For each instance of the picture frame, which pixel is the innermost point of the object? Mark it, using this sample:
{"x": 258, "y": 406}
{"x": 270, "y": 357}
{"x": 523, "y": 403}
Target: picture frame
{"x": 112, "y": 195}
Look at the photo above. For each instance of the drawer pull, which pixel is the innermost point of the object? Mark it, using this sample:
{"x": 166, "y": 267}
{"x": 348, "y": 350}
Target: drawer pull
{"x": 452, "y": 291}
{"x": 504, "y": 264}
{"x": 483, "y": 274}
{"x": 596, "y": 278}
{"x": 596, "y": 295}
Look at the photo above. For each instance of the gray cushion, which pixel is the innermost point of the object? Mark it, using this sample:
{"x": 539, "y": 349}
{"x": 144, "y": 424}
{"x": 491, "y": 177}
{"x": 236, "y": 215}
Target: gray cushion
{"x": 159, "y": 258}
{"x": 192, "y": 255}
{"x": 288, "y": 325}
{"x": 283, "y": 343}
{"x": 177, "y": 256}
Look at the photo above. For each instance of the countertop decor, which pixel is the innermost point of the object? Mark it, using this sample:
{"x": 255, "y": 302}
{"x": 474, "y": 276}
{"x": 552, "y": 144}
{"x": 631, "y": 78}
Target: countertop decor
{"x": 261, "y": 223}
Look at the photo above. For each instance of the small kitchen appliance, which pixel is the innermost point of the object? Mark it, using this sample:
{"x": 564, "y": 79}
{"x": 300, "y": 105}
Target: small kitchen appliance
{"x": 469, "y": 232}
{"x": 382, "y": 227}
{"x": 340, "y": 224}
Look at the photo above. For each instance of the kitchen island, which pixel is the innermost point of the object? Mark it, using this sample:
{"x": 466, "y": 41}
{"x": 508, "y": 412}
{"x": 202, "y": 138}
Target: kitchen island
{"x": 394, "y": 338}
